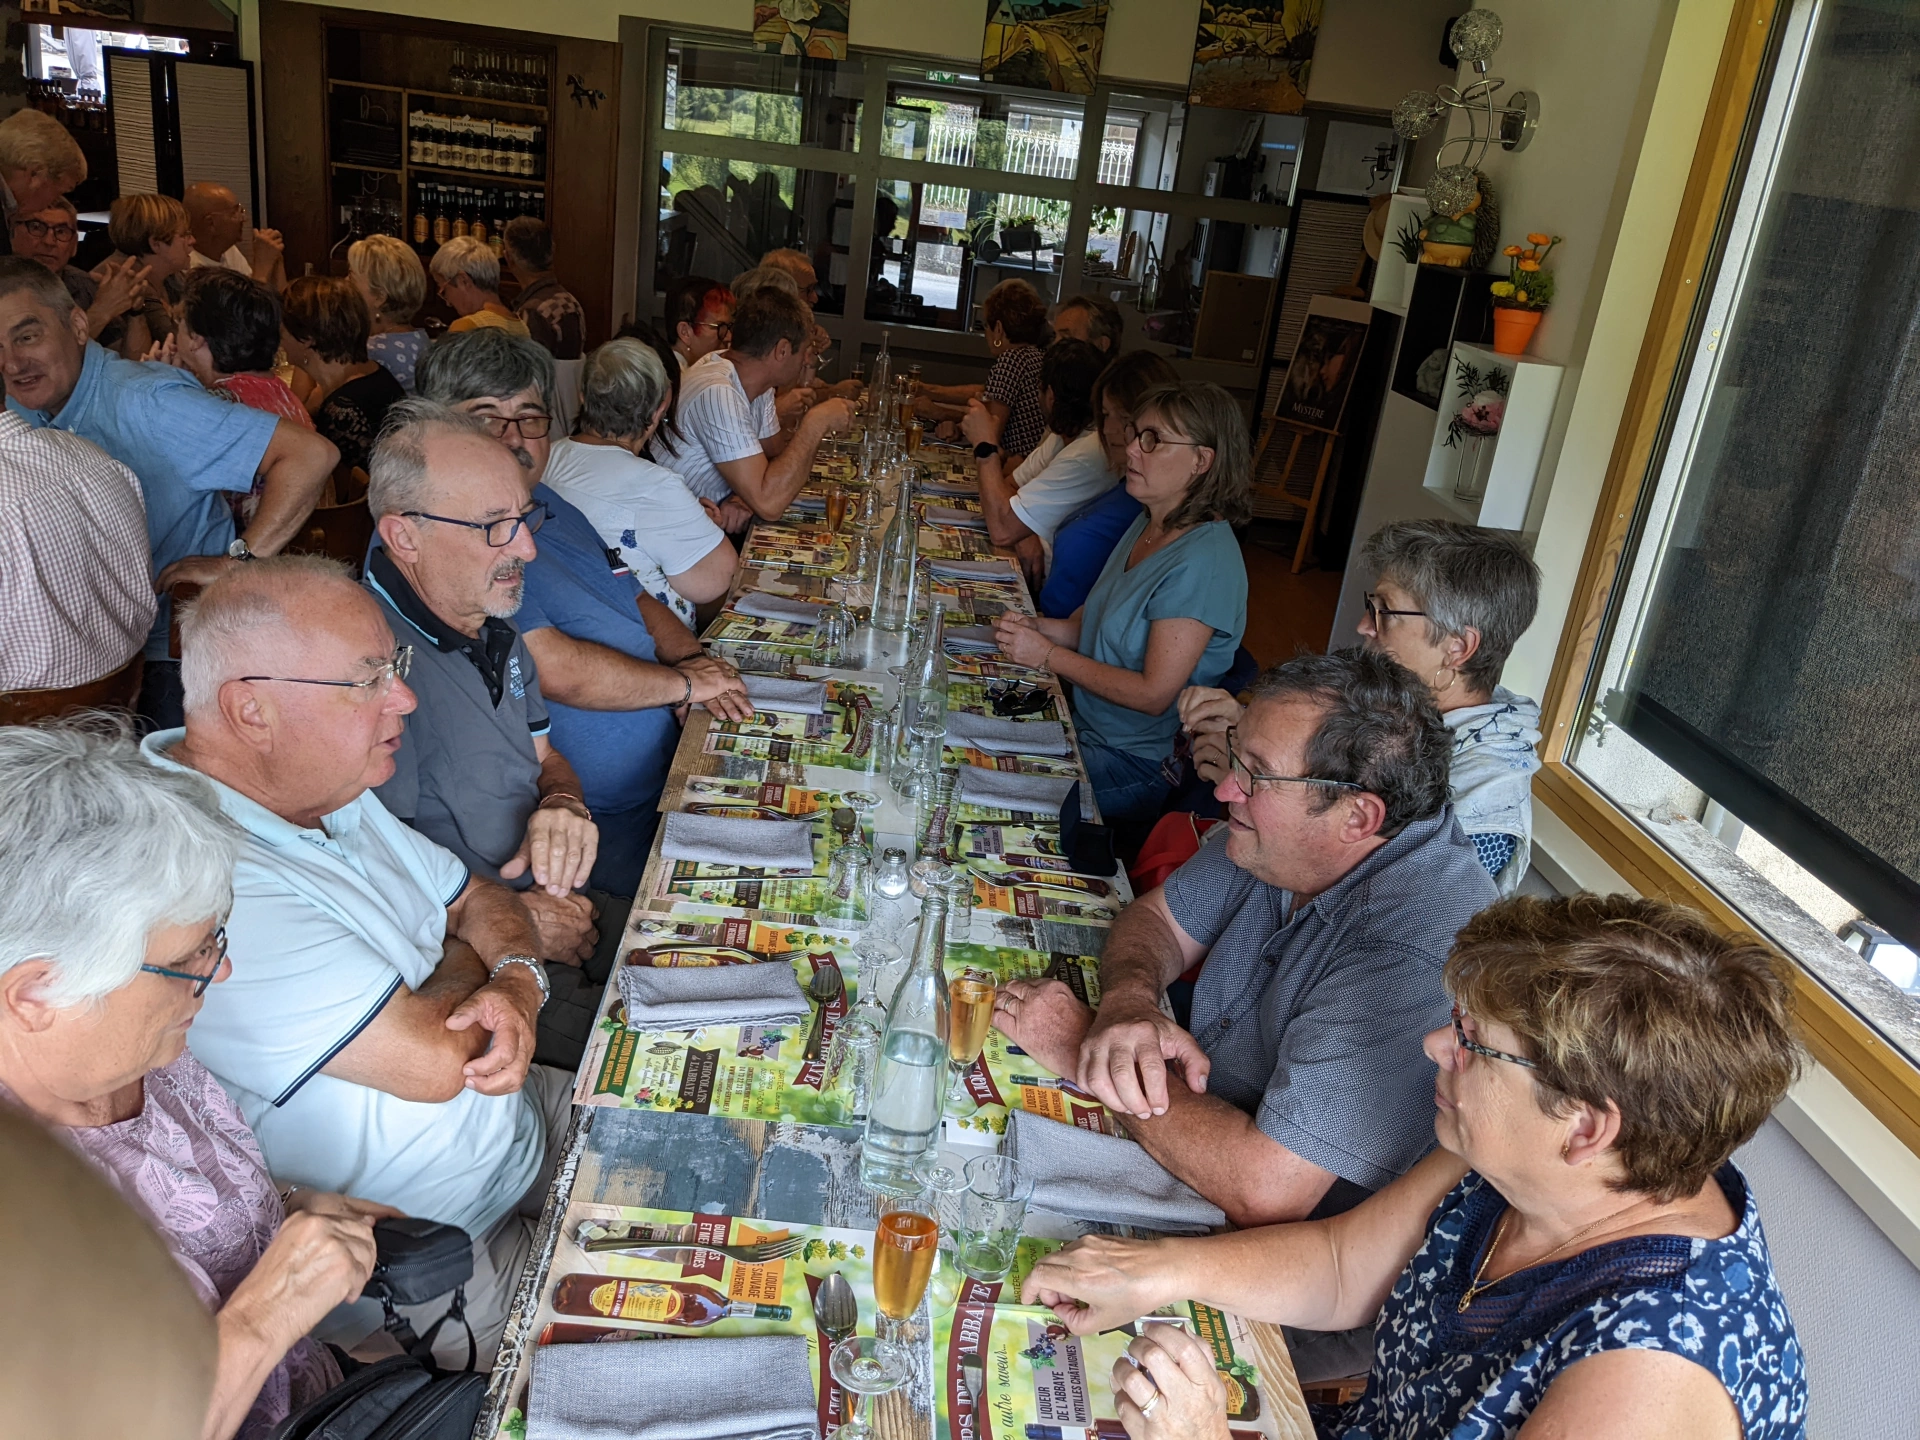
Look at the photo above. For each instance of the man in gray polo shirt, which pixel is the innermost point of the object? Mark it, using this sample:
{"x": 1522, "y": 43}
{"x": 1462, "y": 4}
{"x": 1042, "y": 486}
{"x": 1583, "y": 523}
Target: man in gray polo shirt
{"x": 1324, "y": 909}
{"x": 475, "y": 770}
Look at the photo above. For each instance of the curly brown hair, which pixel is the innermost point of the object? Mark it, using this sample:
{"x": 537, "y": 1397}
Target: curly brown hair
{"x": 1016, "y": 307}
{"x": 1642, "y": 1005}
{"x": 1200, "y": 411}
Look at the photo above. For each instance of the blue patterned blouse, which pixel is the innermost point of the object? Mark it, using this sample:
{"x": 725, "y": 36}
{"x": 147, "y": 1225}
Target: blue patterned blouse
{"x": 1478, "y": 1375}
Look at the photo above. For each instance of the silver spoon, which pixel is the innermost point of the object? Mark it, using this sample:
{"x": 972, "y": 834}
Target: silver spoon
{"x": 835, "y": 1308}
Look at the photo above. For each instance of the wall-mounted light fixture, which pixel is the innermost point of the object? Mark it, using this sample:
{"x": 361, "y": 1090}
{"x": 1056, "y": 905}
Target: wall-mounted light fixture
{"x": 1473, "y": 39}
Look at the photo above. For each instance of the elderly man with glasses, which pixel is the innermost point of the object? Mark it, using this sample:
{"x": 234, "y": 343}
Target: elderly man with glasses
{"x": 1323, "y": 909}
{"x": 477, "y": 770}
{"x": 378, "y": 1029}
{"x": 51, "y": 236}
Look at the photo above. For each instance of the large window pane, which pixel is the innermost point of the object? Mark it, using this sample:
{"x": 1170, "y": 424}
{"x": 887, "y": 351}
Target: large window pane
{"x": 939, "y": 249}
{"x": 1156, "y": 143}
{"x": 950, "y": 119}
{"x": 717, "y": 88}
{"x": 1177, "y": 278}
{"x": 1759, "y": 685}
{"x": 718, "y": 217}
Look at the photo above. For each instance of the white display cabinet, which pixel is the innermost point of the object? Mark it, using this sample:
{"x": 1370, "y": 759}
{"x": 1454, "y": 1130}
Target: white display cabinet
{"x": 1489, "y": 481}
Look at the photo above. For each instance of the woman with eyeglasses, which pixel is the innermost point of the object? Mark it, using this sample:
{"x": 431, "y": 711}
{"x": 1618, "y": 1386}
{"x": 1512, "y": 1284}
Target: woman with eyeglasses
{"x": 118, "y": 875}
{"x": 1579, "y": 1256}
{"x": 1449, "y": 601}
{"x": 1170, "y": 605}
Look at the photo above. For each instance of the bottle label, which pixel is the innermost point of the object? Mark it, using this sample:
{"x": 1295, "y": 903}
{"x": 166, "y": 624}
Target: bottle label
{"x": 641, "y": 1300}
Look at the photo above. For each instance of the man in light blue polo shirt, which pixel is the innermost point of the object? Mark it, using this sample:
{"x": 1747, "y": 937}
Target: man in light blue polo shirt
{"x": 610, "y": 698}
{"x": 190, "y": 449}
{"x": 379, "y": 1023}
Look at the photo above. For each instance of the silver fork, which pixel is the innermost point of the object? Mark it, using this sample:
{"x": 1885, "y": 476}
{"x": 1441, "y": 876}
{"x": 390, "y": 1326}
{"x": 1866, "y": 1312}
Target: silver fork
{"x": 763, "y": 1253}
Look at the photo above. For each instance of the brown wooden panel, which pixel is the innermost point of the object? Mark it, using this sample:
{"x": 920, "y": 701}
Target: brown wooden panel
{"x": 293, "y": 96}
{"x": 585, "y": 156}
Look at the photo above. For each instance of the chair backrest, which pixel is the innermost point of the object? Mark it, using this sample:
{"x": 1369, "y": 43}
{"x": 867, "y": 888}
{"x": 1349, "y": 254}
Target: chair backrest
{"x": 109, "y": 692}
{"x": 566, "y": 387}
{"x": 341, "y": 532}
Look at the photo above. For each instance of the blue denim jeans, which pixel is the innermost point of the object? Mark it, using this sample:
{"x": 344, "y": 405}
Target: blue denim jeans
{"x": 1127, "y": 786}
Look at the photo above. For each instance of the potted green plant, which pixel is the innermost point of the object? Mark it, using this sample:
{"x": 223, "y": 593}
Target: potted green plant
{"x": 1523, "y": 297}
{"x": 1021, "y": 233}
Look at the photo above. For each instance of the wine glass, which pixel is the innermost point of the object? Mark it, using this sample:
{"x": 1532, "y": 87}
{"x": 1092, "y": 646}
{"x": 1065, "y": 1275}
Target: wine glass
{"x": 970, "y": 996}
{"x": 864, "y": 1366}
{"x": 905, "y": 1244}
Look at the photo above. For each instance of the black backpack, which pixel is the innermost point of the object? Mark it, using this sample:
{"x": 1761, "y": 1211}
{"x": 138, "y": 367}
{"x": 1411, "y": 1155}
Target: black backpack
{"x": 404, "y": 1397}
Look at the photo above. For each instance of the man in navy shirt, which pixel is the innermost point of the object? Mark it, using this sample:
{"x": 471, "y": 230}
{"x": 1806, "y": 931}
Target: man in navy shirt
{"x": 189, "y": 449}
{"x": 611, "y": 700}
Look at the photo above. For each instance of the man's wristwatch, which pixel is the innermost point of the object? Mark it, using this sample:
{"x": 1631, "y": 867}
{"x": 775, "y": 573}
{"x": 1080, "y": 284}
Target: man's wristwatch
{"x": 238, "y": 550}
{"x": 539, "y": 973}
{"x": 985, "y": 450}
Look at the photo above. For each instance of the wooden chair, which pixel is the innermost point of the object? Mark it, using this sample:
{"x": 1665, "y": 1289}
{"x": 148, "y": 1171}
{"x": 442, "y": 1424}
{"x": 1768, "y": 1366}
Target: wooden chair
{"x": 1335, "y": 1392}
{"x": 343, "y": 530}
{"x": 110, "y": 692}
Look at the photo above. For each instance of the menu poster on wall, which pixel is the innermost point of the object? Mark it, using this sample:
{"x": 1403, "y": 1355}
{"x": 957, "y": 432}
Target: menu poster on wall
{"x": 816, "y": 29}
{"x": 1044, "y": 44}
{"x": 1255, "y": 55}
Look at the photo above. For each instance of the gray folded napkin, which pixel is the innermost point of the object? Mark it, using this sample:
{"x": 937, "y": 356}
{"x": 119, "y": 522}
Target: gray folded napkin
{"x": 1089, "y": 1176}
{"x": 1007, "y": 790}
{"x": 809, "y": 504}
{"x": 971, "y": 639}
{"x": 739, "y": 840}
{"x": 794, "y": 697}
{"x": 960, "y": 519}
{"x": 957, "y": 488}
{"x": 685, "y": 997}
{"x": 999, "y": 735}
{"x": 778, "y": 607}
{"x": 754, "y": 1387}
{"x": 972, "y": 569}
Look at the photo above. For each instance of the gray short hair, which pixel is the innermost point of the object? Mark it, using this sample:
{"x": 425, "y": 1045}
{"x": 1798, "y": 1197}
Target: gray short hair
{"x": 100, "y": 847}
{"x": 469, "y": 257}
{"x": 19, "y": 273}
{"x": 487, "y": 363}
{"x": 1464, "y": 577}
{"x": 621, "y": 388}
{"x": 231, "y": 616}
{"x": 397, "y": 469}
{"x": 764, "y": 277}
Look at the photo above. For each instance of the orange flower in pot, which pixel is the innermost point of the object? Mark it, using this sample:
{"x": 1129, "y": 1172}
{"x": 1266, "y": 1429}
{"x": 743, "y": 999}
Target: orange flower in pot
{"x": 1523, "y": 297}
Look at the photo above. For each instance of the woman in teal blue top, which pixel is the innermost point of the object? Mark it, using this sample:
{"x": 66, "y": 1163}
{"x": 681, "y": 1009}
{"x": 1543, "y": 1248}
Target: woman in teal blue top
{"x": 1170, "y": 606}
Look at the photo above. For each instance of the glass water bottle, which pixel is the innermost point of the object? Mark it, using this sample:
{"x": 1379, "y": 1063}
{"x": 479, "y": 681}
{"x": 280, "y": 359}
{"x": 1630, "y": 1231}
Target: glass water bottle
{"x": 909, "y": 1085}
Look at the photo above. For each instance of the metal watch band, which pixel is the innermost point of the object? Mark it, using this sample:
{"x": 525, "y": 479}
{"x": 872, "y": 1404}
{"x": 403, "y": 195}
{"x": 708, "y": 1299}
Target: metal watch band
{"x": 539, "y": 973}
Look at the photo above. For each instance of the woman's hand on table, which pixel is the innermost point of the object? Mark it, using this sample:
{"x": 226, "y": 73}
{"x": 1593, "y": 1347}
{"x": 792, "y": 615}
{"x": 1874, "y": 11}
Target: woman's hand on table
{"x": 1168, "y": 1388}
{"x": 980, "y": 425}
{"x": 1021, "y": 641}
{"x": 1099, "y": 1282}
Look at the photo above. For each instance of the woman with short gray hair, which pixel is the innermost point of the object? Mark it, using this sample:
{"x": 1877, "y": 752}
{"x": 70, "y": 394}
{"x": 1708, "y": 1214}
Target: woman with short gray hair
{"x": 641, "y": 509}
{"x": 1449, "y": 601}
{"x": 120, "y": 875}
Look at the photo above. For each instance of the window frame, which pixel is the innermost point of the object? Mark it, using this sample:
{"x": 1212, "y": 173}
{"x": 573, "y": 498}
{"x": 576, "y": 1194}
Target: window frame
{"x": 868, "y": 167}
{"x": 1877, "y": 1074}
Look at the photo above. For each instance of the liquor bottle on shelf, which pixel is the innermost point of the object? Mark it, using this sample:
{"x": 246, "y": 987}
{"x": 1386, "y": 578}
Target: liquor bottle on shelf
{"x": 659, "y": 1302}
{"x": 422, "y": 222}
{"x": 416, "y": 139}
{"x": 442, "y": 221}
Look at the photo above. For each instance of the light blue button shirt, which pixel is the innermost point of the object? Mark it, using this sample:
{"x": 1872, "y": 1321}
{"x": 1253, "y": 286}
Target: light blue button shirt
{"x": 187, "y": 447}
{"x": 327, "y": 925}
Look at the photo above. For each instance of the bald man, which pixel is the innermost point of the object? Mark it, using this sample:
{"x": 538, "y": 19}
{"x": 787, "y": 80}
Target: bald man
{"x": 219, "y": 220}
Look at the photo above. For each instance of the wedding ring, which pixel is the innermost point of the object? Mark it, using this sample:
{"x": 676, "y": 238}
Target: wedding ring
{"x": 1152, "y": 1400}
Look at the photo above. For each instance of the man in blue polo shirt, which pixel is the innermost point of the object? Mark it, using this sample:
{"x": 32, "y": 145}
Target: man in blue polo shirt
{"x": 611, "y": 701}
{"x": 189, "y": 449}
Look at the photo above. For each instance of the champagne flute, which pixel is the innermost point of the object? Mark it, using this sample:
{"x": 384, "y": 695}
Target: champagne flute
{"x": 970, "y": 997}
{"x": 862, "y": 1367}
{"x": 905, "y": 1244}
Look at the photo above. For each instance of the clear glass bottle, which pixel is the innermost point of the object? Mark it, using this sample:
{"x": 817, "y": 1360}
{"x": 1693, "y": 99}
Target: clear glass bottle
{"x": 893, "y": 591}
{"x": 927, "y": 683}
{"x": 903, "y": 1119}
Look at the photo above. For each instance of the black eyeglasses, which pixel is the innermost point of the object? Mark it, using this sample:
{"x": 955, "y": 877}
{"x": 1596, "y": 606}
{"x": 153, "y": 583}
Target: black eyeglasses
{"x": 1150, "y": 439}
{"x": 531, "y": 427}
{"x": 498, "y": 532}
{"x": 200, "y": 981}
{"x": 40, "y": 230}
{"x": 1012, "y": 699}
{"x": 1378, "y": 610}
{"x": 1474, "y": 1047}
{"x": 1250, "y": 780}
{"x": 381, "y": 680}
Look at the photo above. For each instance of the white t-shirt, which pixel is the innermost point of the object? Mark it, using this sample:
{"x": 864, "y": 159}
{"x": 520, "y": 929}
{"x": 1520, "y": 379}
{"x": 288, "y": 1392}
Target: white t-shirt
{"x": 235, "y": 259}
{"x": 719, "y": 423}
{"x": 327, "y": 925}
{"x": 641, "y": 509}
{"x": 1039, "y": 458}
{"x": 1075, "y": 475}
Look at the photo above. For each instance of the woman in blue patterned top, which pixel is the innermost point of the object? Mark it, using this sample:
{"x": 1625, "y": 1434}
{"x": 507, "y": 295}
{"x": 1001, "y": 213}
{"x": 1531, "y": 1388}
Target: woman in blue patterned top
{"x": 1579, "y": 1256}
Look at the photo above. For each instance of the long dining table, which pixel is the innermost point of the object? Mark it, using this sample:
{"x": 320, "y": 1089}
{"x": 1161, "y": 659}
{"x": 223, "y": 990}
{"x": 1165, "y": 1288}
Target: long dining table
{"x": 736, "y": 1130}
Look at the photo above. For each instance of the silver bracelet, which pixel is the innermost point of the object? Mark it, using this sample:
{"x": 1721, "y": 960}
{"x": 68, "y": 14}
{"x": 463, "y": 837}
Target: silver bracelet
{"x": 687, "y": 699}
{"x": 539, "y": 974}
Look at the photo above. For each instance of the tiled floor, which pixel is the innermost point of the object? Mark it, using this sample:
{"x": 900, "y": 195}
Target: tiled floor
{"x": 1286, "y": 613}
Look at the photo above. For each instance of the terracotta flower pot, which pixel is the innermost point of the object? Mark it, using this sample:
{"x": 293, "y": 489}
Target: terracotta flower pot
{"x": 1513, "y": 329}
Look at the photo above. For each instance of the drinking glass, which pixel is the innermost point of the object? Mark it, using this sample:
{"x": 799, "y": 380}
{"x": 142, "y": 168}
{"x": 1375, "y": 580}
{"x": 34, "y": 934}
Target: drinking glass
{"x": 970, "y": 996}
{"x": 864, "y": 1366}
{"x": 836, "y": 506}
{"x": 959, "y": 895}
{"x": 993, "y": 1213}
{"x": 851, "y": 1062}
{"x": 945, "y": 1177}
{"x": 905, "y": 1244}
